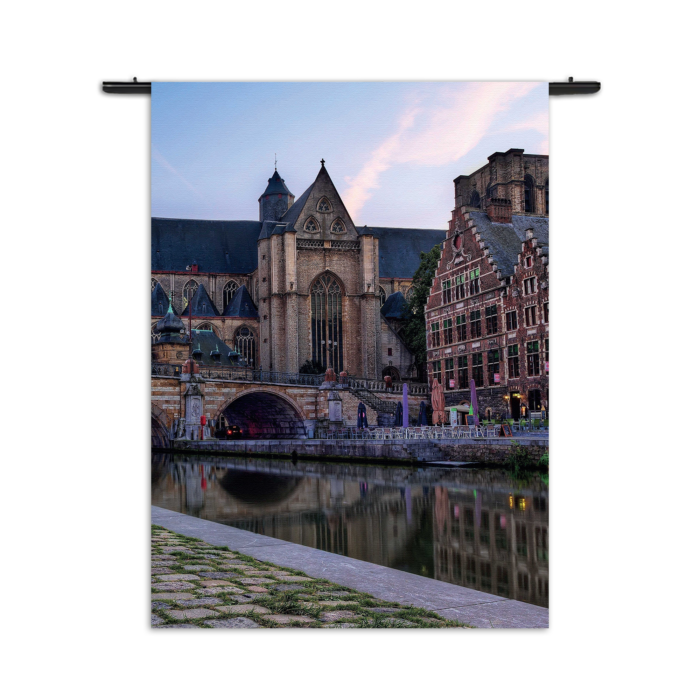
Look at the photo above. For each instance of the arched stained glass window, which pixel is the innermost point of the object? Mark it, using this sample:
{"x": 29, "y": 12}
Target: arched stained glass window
{"x": 327, "y": 322}
{"x": 382, "y": 296}
{"x": 230, "y": 289}
{"x": 324, "y": 205}
{"x": 529, "y": 204}
{"x": 244, "y": 342}
{"x": 188, "y": 292}
{"x": 311, "y": 225}
{"x": 338, "y": 226}
{"x": 475, "y": 200}
{"x": 154, "y": 283}
{"x": 154, "y": 335}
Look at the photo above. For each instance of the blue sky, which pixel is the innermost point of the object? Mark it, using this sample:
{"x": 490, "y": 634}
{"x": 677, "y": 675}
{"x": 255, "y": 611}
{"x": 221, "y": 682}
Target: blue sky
{"x": 392, "y": 149}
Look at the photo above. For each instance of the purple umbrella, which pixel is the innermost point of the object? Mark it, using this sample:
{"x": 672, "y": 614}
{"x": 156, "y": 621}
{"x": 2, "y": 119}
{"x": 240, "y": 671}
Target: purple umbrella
{"x": 475, "y": 403}
{"x": 405, "y": 405}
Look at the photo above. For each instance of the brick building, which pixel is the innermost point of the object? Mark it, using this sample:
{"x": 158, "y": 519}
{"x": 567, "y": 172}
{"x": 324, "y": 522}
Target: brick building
{"x": 301, "y": 283}
{"x": 487, "y": 314}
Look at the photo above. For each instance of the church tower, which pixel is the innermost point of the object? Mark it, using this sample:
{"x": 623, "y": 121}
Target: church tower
{"x": 275, "y": 200}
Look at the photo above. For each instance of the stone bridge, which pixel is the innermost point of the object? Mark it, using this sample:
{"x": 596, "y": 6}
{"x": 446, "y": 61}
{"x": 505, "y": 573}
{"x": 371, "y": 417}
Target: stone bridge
{"x": 262, "y": 404}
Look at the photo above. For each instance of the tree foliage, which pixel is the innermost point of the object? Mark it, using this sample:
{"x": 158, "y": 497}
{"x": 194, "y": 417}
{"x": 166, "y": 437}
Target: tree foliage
{"x": 414, "y": 313}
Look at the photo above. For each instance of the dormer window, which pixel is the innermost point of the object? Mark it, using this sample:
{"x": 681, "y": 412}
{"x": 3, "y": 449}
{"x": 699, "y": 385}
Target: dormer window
{"x": 311, "y": 225}
{"x": 338, "y": 226}
{"x": 324, "y": 206}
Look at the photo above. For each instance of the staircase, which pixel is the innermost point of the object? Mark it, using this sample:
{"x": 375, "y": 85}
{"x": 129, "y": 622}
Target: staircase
{"x": 386, "y": 410}
{"x": 424, "y": 451}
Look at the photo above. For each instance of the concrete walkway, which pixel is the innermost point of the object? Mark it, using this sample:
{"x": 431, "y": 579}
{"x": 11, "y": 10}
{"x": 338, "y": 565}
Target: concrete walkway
{"x": 453, "y": 602}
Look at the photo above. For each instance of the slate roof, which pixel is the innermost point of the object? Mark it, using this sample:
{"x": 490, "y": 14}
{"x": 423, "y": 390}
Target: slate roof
{"x": 241, "y": 305}
{"x": 292, "y": 214}
{"x": 270, "y": 227}
{"x": 275, "y": 185}
{"x": 394, "y": 305}
{"x": 208, "y": 341}
{"x": 504, "y": 241}
{"x": 216, "y": 246}
{"x": 400, "y": 248}
{"x": 159, "y": 301}
{"x": 202, "y": 305}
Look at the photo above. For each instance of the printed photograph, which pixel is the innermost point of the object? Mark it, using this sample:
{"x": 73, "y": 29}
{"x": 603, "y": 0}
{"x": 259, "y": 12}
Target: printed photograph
{"x": 350, "y": 355}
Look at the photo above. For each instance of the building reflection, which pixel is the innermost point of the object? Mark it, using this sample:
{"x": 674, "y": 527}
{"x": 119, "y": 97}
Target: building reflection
{"x": 494, "y": 541}
{"x": 488, "y": 538}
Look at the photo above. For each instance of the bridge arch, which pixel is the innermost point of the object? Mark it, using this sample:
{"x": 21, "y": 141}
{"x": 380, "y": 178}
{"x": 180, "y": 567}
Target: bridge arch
{"x": 263, "y": 414}
{"x": 159, "y": 430}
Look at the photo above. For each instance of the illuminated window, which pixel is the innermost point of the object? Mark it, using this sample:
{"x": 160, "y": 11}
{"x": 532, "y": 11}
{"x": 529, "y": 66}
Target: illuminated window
{"x": 533, "y": 359}
{"x": 513, "y": 361}
{"x": 512, "y": 320}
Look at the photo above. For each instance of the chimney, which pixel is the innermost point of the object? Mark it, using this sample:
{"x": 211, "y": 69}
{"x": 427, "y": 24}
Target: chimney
{"x": 500, "y": 210}
{"x": 195, "y": 267}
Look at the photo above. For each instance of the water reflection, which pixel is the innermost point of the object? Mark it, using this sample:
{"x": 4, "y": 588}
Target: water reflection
{"x": 475, "y": 528}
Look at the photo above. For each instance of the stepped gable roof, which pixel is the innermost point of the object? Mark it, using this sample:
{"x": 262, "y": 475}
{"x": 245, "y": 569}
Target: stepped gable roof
{"x": 241, "y": 305}
{"x": 400, "y": 248}
{"x": 208, "y": 342}
{"x": 394, "y": 306}
{"x": 202, "y": 305}
{"x": 504, "y": 241}
{"x": 275, "y": 185}
{"x": 159, "y": 301}
{"x": 292, "y": 214}
{"x": 216, "y": 246}
{"x": 270, "y": 227}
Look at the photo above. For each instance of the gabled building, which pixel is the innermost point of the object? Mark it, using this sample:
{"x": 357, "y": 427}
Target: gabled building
{"x": 487, "y": 314}
{"x": 313, "y": 282}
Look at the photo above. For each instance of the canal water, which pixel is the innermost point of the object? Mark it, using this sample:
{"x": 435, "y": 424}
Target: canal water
{"x": 479, "y": 528}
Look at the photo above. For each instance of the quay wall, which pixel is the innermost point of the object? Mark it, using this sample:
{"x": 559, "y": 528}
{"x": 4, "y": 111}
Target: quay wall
{"x": 482, "y": 450}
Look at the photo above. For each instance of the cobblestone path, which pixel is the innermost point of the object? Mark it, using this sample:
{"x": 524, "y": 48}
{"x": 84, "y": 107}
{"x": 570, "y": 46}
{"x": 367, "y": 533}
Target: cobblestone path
{"x": 198, "y": 585}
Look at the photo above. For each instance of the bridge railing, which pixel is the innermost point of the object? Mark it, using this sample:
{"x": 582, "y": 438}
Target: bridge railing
{"x": 267, "y": 377}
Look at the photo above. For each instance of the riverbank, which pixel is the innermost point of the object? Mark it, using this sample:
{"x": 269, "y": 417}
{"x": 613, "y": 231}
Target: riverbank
{"x": 195, "y": 584}
{"x": 486, "y": 451}
{"x": 463, "y": 605}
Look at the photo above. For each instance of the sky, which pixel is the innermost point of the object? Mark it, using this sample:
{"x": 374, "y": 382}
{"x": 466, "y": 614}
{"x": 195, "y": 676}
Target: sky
{"x": 392, "y": 149}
